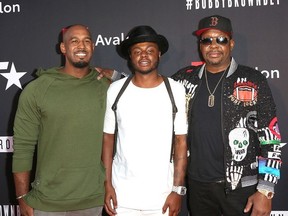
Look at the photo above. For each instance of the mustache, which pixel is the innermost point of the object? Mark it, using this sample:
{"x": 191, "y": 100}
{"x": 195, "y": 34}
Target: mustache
{"x": 81, "y": 50}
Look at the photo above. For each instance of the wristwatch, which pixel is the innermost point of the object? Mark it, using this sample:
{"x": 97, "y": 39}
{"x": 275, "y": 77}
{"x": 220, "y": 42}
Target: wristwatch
{"x": 181, "y": 190}
{"x": 268, "y": 194}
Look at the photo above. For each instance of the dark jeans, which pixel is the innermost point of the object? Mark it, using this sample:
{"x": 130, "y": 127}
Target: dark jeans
{"x": 210, "y": 199}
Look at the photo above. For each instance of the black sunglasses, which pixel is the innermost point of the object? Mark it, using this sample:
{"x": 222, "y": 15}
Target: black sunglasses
{"x": 219, "y": 40}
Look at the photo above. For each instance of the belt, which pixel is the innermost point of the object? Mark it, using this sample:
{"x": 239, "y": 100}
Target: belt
{"x": 220, "y": 181}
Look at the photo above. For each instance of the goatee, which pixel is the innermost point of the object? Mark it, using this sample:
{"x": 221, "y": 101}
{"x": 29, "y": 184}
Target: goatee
{"x": 81, "y": 64}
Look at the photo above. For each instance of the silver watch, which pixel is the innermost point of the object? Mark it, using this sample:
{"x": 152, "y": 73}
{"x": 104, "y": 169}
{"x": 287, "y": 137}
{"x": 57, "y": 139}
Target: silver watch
{"x": 181, "y": 190}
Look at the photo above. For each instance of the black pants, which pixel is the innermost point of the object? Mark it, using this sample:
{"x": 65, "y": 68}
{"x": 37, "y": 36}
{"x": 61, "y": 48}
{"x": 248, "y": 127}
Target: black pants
{"x": 210, "y": 199}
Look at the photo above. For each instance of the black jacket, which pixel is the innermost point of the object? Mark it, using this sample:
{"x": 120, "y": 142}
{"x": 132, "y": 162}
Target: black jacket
{"x": 249, "y": 125}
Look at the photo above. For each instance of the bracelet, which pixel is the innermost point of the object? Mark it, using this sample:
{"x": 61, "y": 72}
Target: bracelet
{"x": 20, "y": 197}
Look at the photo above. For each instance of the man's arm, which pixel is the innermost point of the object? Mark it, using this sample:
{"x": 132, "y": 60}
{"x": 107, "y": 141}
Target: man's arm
{"x": 26, "y": 132}
{"x": 22, "y": 180}
{"x": 173, "y": 201}
{"x": 107, "y": 158}
{"x": 269, "y": 160}
{"x": 180, "y": 160}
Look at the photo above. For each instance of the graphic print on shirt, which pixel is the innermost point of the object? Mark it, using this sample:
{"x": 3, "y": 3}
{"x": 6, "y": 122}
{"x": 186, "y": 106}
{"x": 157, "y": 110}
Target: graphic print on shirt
{"x": 270, "y": 165}
{"x": 270, "y": 169}
{"x": 244, "y": 92}
{"x": 274, "y": 128}
{"x": 234, "y": 174}
{"x": 190, "y": 91}
{"x": 251, "y": 120}
{"x": 239, "y": 142}
{"x": 270, "y": 134}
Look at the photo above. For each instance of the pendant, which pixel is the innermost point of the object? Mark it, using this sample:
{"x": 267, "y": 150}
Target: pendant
{"x": 211, "y": 100}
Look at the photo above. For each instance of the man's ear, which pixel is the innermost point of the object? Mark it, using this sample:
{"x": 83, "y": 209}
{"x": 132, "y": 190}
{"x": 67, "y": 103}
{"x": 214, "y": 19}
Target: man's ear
{"x": 62, "y": 48}
{"x": 232, "y": 44}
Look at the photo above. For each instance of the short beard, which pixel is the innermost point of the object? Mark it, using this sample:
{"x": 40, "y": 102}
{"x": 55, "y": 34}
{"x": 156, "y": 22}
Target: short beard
{"x": 81, "y": 64}
{"x": 213, "y": 63}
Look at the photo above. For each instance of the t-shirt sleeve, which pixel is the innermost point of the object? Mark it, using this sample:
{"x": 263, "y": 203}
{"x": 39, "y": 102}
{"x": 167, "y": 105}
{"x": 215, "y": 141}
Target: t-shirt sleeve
{"x": 109, "y": 120}
{"x": 180, "y": 124}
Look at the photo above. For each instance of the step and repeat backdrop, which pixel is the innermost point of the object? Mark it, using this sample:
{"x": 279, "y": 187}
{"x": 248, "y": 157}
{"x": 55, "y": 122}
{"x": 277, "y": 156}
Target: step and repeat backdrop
{"x": 29, "y": 33}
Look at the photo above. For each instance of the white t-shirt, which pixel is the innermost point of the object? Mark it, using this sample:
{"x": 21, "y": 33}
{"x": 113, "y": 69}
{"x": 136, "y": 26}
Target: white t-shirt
{"x": 142, "y": 174}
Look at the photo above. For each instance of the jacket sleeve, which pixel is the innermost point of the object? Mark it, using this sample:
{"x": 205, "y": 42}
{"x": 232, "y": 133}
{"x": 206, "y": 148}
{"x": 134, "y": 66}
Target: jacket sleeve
{"x": 269, "y": 161}
{"x": 26, "y": 130}
{"x": 183, "y": 73}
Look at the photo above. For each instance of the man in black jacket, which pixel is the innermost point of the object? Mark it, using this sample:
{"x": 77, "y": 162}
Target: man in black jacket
{"x": 233, "y": 136}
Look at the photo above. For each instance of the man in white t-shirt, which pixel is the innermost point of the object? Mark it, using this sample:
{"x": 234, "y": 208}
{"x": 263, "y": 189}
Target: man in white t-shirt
{"x": 142, "y": 178}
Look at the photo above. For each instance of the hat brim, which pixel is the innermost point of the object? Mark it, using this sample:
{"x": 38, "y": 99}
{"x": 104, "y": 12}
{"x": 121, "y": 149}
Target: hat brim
{"x": 123, "y": 48}
{"x": 199, "y": 32}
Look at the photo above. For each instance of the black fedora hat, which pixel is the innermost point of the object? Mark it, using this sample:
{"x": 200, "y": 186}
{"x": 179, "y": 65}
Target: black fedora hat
{"x": 141, "y": 34}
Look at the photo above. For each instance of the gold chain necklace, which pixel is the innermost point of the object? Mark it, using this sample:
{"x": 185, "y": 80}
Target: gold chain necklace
{"x": 211, "y": 98}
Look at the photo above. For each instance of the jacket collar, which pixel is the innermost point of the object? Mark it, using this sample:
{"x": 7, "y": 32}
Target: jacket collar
{"x": 232, "y": 69}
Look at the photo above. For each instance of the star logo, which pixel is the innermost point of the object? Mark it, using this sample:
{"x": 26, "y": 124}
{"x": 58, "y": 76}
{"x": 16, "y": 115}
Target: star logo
{"x": 13, "y": 77}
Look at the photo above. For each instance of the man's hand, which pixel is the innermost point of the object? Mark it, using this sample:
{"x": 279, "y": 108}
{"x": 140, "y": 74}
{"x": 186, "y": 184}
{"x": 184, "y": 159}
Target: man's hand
{"x": 25, "y": 209}
{"x": 110, "y": 202}
{"x": 260, "y": 205}
{"x": 173, "y": 202}
{"x": 21, "y": 180}
{"x": 104, "y": 72}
